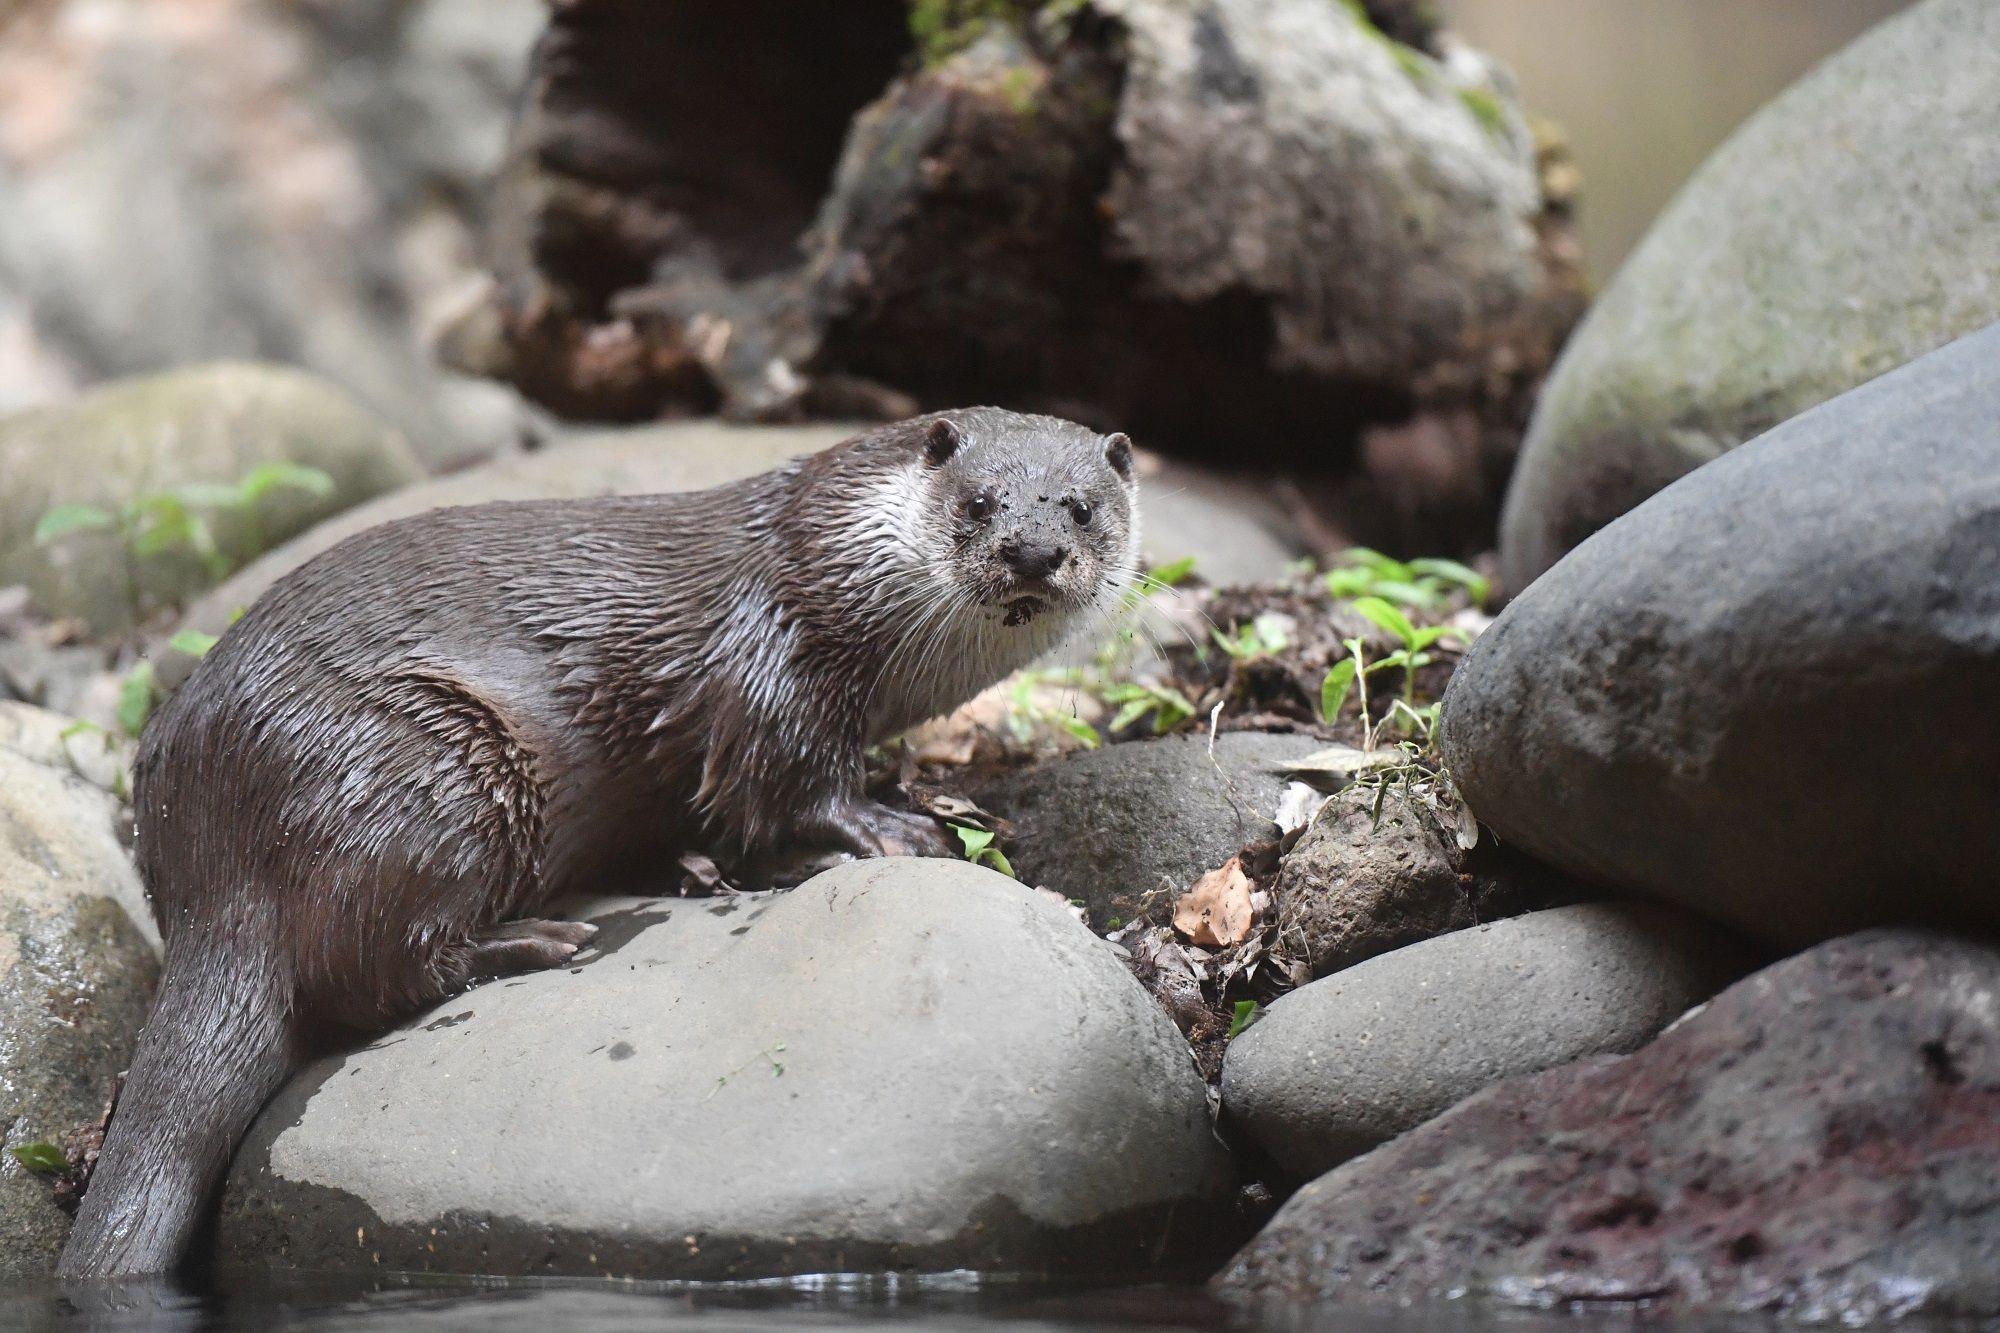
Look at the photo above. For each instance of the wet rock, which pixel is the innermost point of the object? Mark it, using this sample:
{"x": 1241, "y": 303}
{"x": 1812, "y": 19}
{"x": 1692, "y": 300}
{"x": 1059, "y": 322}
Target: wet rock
{"x": 1188, "y": 512}
{"x": 1772, "y": 692}
{"x": 900, "y": 1064}
{"x": 1819, "y": 1141}
{"x": 1349, "y": 1062}
{"x": 297, "y": 183}
{"x": 1116, "y": 826}
{"x": 77, "y": 964}
{"x": 210, "y": 425}
{"x": 1316, "y": 227}
{"x": 1840, "y": 233}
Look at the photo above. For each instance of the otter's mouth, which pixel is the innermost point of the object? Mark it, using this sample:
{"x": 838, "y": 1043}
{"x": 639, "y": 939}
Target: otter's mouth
{"x": 1020, "y": 610}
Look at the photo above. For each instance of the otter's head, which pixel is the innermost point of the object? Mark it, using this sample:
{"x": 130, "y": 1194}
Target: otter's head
{"x": 1036, "y": 516}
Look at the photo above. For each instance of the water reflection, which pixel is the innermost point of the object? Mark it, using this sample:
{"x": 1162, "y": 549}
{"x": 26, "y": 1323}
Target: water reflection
{"x": 1646, "y": 88}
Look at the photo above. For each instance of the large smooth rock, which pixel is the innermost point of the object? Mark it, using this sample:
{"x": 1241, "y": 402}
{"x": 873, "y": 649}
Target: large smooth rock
{"x": 1235, "y": 536}
{"x": 898, "y": 1064}
{"x": 1846, "y": 229}
{"x": 1349, "y": 1062}
{"x": 1818, "y": 1141}
{"x": 1772, "y": 692}
{"x": 151, "y": 435}
{"x": 77, "y": 964}
{"x": 1109, "y": 827}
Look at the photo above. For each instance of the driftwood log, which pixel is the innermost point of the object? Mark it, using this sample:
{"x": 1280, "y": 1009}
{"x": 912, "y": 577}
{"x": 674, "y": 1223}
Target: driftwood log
{"x": 1290, "y": 234}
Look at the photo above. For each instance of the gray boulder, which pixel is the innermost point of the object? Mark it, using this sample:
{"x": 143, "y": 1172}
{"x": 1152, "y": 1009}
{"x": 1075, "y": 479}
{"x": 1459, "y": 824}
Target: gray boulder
{"x": 1846, "y": 229}
{"x": 899, "y": 1064}
{"x": 77, "y": 965}
{"x": 210, "y": 425}
{"x": 1819, "y": 1142}
{"x": 1772, "y": 692}
{"x": 1349, "y": 1062}
{"x": 1115, "y": 826}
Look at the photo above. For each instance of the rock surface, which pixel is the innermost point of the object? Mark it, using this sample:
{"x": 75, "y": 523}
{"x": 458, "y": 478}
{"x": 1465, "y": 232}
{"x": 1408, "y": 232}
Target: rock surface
{"x": 1822, "y": 1140}
{"x": 1109, "y": 827}
{"x": 296, "y": 183}
{"x": 899, "y": 1063}
{"x": 151, "y": 435}
{"x": 1846, "y": 229}
{"x": 1349, "y": 1062}
{"x": 77, "y": 966}
{"x": 1772, "y": 692}
{"x": 1186, "y": 511}
{"x": 1356, "y": 886}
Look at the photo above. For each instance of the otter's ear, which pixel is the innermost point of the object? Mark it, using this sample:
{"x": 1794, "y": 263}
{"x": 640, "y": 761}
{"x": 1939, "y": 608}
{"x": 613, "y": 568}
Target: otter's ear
{"x": 941, "y": 441}
{"x": 1118, "y": 453}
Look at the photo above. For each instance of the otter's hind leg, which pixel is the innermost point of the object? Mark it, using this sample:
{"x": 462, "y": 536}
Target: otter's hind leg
{"x": 525, "y": 946}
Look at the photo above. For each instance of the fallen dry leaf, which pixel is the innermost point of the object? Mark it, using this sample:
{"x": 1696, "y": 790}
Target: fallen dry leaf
{"x": 1217, "y": 910}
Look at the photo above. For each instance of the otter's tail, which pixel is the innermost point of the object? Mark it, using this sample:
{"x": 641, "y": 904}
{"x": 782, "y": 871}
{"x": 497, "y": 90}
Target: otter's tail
{"x": 220, "y": 1041}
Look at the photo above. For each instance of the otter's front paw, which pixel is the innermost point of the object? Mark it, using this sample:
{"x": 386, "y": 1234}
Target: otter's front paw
{"x": 868, "y": 828}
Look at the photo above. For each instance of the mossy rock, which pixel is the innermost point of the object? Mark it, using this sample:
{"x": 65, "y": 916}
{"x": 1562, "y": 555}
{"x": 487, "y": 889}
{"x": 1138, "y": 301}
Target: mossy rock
{"x": 77, "y": 963}
{"x": 209, "y": 425}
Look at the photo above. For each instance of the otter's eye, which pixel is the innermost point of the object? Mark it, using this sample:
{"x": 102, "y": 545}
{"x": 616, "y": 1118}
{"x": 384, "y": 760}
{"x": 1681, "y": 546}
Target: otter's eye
{"x": 1080, "y": 511}
{"x": 979, "y": 508}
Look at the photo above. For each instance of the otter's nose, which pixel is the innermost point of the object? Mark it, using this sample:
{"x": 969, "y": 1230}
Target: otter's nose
{"x": 1033, "y": 560}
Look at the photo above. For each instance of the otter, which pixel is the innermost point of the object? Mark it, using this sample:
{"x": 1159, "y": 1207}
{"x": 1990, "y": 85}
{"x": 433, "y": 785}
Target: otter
{"x": 364, "y": 795}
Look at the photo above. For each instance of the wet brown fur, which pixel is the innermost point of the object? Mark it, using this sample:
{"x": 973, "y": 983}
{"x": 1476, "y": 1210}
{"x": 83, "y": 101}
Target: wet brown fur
{"x": 411, "y": 745}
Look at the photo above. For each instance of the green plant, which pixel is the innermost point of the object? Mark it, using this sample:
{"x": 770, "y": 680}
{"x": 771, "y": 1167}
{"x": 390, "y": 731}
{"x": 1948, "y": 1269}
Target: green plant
{"x": 979, "y": 848}
{"x": 44, "y": 1158}
{"x": 1245, "y": 1013}
{"x": 181, "y": 518}
{"x": 1136, "y": 699}
{"x": 1412, "y": 654}
{"x": 1170, "y": 575}
{"x": 1424, "y": 584}
{"x": 1263, "y": 637}
{"x": 1026, "y": 711}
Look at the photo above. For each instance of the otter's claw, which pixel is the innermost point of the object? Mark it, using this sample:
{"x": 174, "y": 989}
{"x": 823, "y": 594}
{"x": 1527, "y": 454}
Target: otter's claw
{"x": 867, "y": 828}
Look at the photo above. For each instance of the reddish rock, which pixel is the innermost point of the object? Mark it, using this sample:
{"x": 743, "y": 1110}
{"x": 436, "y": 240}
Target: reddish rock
{"x": 1822, "y": 1140}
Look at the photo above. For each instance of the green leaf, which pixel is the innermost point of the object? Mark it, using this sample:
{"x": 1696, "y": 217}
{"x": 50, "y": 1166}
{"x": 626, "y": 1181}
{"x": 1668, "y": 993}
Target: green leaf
{"x": 973, "y": 840}
{"x": 1174, "y": 572}
{"x": 1080, "y": 729}
{"x": 1133, "y": 711}
{"x": 43, "y": 1157}
{"x": 268, "y": 477}
{"x": 1245, "y": 1014}
{"x": 997, "y": 859}
{"x": 192, "y": 642}
{"x": 63, "y": 520}
{"x": 1476, "y": 584}
{"x": 1333, "y": 690}
{"x": 135, "y": 698}
{"x": 1429, "y": 635}
{"x": 1387, "y": 616}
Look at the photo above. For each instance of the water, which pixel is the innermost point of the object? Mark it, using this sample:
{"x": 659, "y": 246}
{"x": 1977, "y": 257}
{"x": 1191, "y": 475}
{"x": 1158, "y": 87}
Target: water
{"x": 965, "y": 1301}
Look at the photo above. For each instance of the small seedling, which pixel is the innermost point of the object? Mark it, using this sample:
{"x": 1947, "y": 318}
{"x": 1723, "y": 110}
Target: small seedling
{"x": 1425, "y": 584}
{"x": 1170, "y": 575}
{"x": 1411, "y": 655}
{"x": 1263, "y": 637}
{"x": 979, "y": 848}
{"x": 1167, "y": 706}
{"x": 43, "y": 1158}
{"x": 1246, "y": 1013}
{"x": 769, "y": 1054}
{"x": 181, "y": 518}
